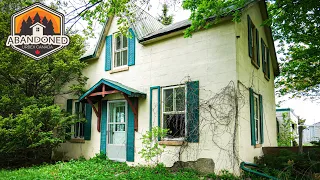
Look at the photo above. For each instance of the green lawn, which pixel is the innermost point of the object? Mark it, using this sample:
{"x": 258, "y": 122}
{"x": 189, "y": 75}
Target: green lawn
{"x": 95, "y": 168}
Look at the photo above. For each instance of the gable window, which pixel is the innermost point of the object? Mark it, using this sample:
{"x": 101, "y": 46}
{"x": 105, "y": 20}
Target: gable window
{"x": 120, "y": 51}
{"x": 256, "y": 118}
{"x": 174, "y": 111}
{"x": 37, "y": 29}
{"x": 253, "y": 43}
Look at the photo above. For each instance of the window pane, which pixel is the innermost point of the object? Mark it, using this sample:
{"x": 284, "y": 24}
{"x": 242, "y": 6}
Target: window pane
{"x": 120, "y": 127}
{"x": 111, "y": 133}
{"x": 118, "y": 42}
{"x": 125, "y": 42}
{"x": 117, "y": 62}
{"x": 256, "y": 108}
{"x": 168, "y": 100}
{"x": 176, "y": 125}
{"x": 180, "y": 98}
{"x": 257, "y": 130}
{"x": 125, "y": 57}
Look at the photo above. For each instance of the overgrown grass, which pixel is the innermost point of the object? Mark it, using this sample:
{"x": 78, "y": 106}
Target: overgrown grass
{"x": 96, "y": 168}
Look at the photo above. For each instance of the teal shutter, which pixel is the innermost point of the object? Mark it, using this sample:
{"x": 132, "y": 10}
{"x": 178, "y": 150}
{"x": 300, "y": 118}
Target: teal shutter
{"x": 252, "y": 121}
{"x": 257, "y": 49}
{"x": 77, "y": 108}
{"x": 103, "y": 129}
{"x": 130, "y": 133}
{"x": 131, "y": 48}
{"x": 261, "y": 119}
{"x": 87, "y": 125}
{"x": 263, "y": 56}
{"x": 268, "y": 63}
{"x": 108, "y": 57}
{"x": 193, "y": 111}
{"x": 69, "y": 110}
{"x": 249, "y": 37}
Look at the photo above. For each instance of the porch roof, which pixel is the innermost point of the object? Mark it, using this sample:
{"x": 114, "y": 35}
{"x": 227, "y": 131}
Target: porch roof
{"x": 111, "y": 86}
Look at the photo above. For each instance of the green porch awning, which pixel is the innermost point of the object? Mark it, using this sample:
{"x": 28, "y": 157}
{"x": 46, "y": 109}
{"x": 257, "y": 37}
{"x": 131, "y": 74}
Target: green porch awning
{"x": 106, "y": 86}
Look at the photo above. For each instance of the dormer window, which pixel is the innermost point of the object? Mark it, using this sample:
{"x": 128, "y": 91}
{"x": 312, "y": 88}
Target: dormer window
{"x": 120, "y": 51}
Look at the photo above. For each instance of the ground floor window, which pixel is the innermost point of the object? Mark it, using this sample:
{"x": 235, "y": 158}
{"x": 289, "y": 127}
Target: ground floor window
{"x": 78, "y": 127}
{"x": 174, "y": 111}
{"x": 256, "y": 118}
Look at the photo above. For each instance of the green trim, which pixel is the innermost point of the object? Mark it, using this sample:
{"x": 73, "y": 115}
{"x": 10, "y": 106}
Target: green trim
{"x": 150, "y": 121}
{"x": 243, "y": 164}
{"x": 249, "y": 37}
{"x": 87, "y": 125}
{"x": 118, "y": 86}
{"x": 193, "y": 111}
{"x": 130, "y": 133}
{"x": 103, "y": 125}
{"x": 283, "y": 109}
{"x": 261, "y": 119}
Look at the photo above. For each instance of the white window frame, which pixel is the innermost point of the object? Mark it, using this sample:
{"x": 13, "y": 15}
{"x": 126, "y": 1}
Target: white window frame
{"x": 114, "y": 51}
{"x": 174, "y": 112}
{"x": 73, "y": 126}
{"x": 257, "y": 120}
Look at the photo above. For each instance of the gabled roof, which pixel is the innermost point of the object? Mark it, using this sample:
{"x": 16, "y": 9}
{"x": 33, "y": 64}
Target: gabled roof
{"x": 39, "y": 24}
{"x": 115, "y": 85}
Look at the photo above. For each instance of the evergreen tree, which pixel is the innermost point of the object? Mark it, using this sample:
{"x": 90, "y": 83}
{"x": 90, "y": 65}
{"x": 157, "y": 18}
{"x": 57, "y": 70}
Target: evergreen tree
{"x": 29, "y": 23}
{"x": 24, "y": 28}
{"x": 49, "y": 28}
{"x": 45, "y": 23}
{"x": 165, "y": 19}
{"x": 36, "y": 19}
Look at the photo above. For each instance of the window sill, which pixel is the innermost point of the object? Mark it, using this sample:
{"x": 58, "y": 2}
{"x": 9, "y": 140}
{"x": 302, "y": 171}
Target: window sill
{"x": 171, "y": 143}
{"x": 77, "y": 140}
{"x": 265, "y": 76}
{"x": 125, "y": 68}
{"x": 254, "y": 63}
{"x": 258, "y": 146}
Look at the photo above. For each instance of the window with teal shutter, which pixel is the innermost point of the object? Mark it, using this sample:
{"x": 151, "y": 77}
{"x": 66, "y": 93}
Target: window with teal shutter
{"x": 268, "y": 63}
{"x": 256, "y": 118}
{"x": 261, "y": 120}
{"x": 108, "y": 58}
{"x": 249, "y": 36}
{"x": 263, "y": 55}
{"x": 87, "y": 125}
{"x": 257, "y": 49}
{"x": 131, "y": 48}
{"x": 193, "y": 111}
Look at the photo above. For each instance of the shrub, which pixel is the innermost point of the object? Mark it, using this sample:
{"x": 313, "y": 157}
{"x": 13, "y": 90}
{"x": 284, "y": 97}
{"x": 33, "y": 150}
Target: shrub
{"x": 30, "y": 137}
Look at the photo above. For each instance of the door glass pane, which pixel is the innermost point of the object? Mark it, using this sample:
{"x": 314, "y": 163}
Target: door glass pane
{"x": 120, "y": 127}
{"x": 125, "y": 42}
{"x": 180, "y": 98}
{"x": 111, "y": 133}
{"x": 124, "y": 57}
{"x": 168, "y": 100}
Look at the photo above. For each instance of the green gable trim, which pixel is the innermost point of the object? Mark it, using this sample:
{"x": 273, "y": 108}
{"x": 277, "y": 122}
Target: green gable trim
{"x": 150, "y": 116}
{"x": 103, "y": 132}
{"x": 116, "y": 85}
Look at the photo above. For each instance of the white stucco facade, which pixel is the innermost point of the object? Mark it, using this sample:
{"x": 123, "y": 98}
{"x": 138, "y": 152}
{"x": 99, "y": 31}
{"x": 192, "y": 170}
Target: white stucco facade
{"x": 215, "y": 57}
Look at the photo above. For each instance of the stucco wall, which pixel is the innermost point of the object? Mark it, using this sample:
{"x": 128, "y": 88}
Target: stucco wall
{"x": 209, "y": 56}
{"x": 249, "y": 76}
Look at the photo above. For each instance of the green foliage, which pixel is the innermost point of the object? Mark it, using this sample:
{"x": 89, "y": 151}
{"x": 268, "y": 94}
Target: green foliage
{"x": 165, "y": 18}
{"x": 30, "y": 124}
{"x": 31, "y": 136}
{"x": 290, "y": 165}
{"x": 151, "y": 147}
{"x": 315, "y": 143}
{"x": 286, "y": 136}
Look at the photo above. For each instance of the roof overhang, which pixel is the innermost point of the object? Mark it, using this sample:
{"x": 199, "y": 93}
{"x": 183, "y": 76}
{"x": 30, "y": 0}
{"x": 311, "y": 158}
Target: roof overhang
{"x": 105, "y": 87}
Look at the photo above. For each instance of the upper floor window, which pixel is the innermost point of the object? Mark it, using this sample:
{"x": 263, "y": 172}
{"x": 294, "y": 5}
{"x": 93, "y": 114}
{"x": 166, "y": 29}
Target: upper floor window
{"x": 253, "y": 43}
{"x": 174, "y": 111}
{"x": 120, "y": 51}
{"x": 265, "y": 60}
